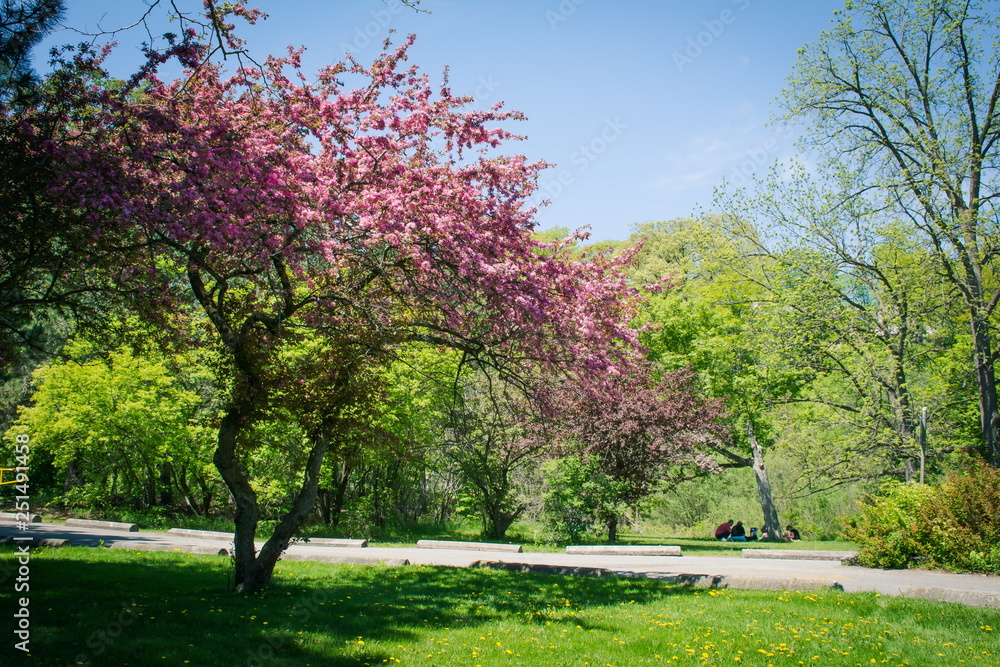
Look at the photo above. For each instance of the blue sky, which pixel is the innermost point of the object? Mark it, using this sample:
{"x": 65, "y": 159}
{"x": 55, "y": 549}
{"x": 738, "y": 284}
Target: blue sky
{"x": 644, "y": 106}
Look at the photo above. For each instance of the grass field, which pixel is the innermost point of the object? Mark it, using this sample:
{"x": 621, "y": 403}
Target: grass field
{"x": 102, "y": 607}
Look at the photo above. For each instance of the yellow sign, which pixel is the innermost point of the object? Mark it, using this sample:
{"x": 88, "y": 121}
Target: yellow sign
{"x": 2, "y": 471}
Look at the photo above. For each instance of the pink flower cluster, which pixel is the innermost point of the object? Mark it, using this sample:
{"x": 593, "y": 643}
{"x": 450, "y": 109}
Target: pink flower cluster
{"x": 377, "y": 212}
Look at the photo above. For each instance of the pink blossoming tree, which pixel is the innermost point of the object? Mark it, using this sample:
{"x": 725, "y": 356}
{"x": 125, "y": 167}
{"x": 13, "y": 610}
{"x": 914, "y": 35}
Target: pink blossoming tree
{"x": 315, "y": 227}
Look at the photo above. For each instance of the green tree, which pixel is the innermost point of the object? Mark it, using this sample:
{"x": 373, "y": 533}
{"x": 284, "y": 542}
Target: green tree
{"x": 388, "y": 469}
{"x": 121, "y": 431}
{"x": 714, "y": 319}
{"x": 580, "y": 497}
{"x": 33, "y": 241}
{"x": 856, "y": 300}
{"x": 907, "y": 92}
{"x": 22, "y": 25}
{"x": 488, "y": 441}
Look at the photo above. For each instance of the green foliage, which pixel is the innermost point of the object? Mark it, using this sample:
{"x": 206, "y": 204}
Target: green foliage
{"x": 961, "y": 528}
{"x": 955, "y": 525}
{"x": 119, "y": 431}
{"x": 860, "y": 306}
{"x": 695, "y": 508}
{"x": 888, "y": 529}
{"x": 716, "y": 318}
{"x": 579, "y": 497}
{"x": 896, "y": 94}
{"x": 279, "y": 449}
{"x": 487, "y": 447}
{"x": 25, "y": 23}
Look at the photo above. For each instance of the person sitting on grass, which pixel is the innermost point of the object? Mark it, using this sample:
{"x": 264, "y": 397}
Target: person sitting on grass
{"x": 753, "y": 534}
{"x": 723, "y": 531}
{"x": 792, "y": 535}
{"x": 739, "y": 533}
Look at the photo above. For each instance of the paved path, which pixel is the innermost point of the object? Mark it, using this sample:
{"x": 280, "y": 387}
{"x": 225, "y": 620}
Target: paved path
{"x": 772, "y": 574}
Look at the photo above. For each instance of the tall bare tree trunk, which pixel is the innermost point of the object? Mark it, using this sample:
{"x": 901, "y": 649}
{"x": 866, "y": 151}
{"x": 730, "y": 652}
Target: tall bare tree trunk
{"x": 771, "y": 522}
{"x": 989, "y": 414}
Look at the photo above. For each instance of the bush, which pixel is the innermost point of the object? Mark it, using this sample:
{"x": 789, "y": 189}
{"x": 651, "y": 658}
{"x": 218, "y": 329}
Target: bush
{"x": 887, "y": 530}
{"x": 955, "y": 526}
{"x": 962, "y": 525}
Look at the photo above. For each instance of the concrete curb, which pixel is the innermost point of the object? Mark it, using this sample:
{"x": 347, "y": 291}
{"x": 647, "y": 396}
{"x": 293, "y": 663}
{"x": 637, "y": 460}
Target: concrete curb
{"x": 346, "y": 560}
{"x": 968, "y": 598}
{"x": 36, "y": 542}
{"x": 107, "y": 525}
{"x": 228, "y": 537}
{"x": 798, "y": 554}
{"x": 186, "y": 549}
{"x": 736, "y": 582}
{"x": 13, "y": 516}
{"x": 332, "y": 542}
{"x": 202, "y": 534}
{"x": 607, "y": 550}
{"x": 469, "y": 546}
{"x": 540, "y": 568}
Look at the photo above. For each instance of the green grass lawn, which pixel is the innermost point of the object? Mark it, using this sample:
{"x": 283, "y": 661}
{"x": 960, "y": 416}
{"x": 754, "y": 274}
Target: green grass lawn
{"x": 102, "y": 607}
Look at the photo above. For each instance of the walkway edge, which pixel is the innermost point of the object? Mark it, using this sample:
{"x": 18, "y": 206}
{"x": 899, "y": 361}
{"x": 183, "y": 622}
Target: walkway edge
{"x": 968, "y": 598}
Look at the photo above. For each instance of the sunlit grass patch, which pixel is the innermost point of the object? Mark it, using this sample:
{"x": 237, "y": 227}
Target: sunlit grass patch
{"x": 124, "y": 608}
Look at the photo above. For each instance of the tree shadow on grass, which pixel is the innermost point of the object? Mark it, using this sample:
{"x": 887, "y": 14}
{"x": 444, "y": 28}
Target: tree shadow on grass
{"x": 90, "y": 607}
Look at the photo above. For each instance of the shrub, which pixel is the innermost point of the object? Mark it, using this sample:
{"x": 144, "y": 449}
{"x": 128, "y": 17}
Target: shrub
{"x": 955, "y": 526}
{"x": 887, "y": 531}
{"x": 961, "y": 528}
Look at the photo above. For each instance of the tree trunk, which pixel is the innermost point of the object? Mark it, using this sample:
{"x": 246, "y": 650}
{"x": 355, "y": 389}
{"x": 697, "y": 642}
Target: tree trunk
{"x": 253, "y": 571}
{"x": 206, "y": 495}
{"x": 166, "y": 492}
{"x": 186, "y": 490}
{"x": 987, "y": 385}
{"x": 263, "y": 566}
{"x": 899, "y": 397}
{"x": 72, "y": 477}
{"x": 332, "y": 500}
{"x": 771, "y": 523}
{"x": 612, "y": 524}
{"x": 497, "y": 521}
{"x": 238, "y": 483}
